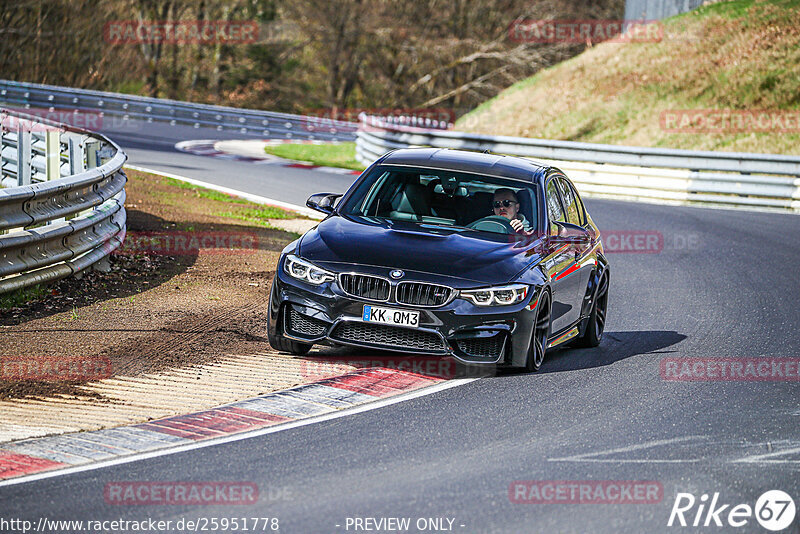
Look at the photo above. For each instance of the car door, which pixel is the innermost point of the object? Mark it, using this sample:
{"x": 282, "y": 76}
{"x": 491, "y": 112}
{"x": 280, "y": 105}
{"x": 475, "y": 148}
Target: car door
{"x": 583, "y": 252}
{"x": 558, "y": 263}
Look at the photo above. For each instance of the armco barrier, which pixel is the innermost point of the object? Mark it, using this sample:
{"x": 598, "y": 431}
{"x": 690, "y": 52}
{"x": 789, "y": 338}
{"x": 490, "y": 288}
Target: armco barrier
{"x": 61, "y": 200}
{"x": 130, "y": 111}
{"x": 128, "y": 108}
{"x": 730, "y": 179}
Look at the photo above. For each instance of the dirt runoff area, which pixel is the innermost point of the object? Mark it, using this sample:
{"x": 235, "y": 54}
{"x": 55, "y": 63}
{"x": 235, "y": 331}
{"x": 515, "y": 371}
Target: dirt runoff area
{"x": 177, "y": 325}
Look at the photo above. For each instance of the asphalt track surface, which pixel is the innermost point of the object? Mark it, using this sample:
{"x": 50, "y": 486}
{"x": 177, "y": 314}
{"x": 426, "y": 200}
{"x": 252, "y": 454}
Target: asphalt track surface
{"x": 153, "y": 146}
{"x": 725, "y": 284}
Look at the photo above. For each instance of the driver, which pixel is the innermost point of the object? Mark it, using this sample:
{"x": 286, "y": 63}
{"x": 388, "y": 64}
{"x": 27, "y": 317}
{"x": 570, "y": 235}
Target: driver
{"x": 506, "y": 205}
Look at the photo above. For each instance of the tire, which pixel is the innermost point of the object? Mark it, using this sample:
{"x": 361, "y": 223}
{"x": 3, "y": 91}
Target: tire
{"x": 596, "y": 323}
{"x": 281, "y": 344}
{"x": 541, "y": 331}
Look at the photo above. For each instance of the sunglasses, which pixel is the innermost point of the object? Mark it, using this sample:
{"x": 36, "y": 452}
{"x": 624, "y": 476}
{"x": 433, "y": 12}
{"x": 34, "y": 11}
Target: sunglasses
{"x": 505, "y": 203}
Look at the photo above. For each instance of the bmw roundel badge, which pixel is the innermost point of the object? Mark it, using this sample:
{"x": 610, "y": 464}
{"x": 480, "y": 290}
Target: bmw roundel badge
{"x": 397, "y": 273}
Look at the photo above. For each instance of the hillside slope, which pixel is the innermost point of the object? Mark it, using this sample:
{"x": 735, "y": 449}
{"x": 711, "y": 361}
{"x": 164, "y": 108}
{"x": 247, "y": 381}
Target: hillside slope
{"x": 739, "y": 55}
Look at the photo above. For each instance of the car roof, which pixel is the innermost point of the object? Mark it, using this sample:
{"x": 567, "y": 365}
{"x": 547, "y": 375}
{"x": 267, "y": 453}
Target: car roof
{"x": 466, "y": 161}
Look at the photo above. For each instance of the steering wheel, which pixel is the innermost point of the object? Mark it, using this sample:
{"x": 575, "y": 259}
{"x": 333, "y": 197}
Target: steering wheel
{"x": 493, "y": 223}
{"x": 432, "y": 186}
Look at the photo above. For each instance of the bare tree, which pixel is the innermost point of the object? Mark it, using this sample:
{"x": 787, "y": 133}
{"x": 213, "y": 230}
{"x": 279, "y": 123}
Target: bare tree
{"x": 343, "y": 54}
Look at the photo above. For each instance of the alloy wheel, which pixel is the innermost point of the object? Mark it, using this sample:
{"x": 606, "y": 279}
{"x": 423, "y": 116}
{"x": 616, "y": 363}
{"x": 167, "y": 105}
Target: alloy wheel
{"x": 541, "y": 331}
{"x": 601, "y": 305}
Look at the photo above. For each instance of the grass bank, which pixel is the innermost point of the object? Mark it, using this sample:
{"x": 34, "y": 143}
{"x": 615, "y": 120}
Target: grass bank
{"x": 736, "y": 55}
{"x": 341, "y": 155}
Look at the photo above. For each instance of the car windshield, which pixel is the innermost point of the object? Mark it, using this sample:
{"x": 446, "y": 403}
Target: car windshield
{"x": 462, "y": 201}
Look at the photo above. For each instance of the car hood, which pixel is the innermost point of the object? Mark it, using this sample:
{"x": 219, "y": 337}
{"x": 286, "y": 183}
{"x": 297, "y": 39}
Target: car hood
{"x": 478, "y": 257}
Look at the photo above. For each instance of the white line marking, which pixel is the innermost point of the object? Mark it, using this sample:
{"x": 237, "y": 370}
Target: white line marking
{"x": 244, "y": 435}
{"x": 587, "y": 457}
{"x": 760, "y": 458}
{"x": 620, "y": 461}
{"x": 308, "y": 212}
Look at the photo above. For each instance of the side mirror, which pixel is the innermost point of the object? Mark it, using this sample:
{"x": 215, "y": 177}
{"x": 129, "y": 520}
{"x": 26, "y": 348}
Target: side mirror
{"x": 570, "y": 234}
{"x": 323, "y": 202}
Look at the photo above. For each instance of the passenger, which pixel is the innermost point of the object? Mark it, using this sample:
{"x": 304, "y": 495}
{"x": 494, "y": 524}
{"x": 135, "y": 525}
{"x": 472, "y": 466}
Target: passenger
{"x": 506, "y": 205}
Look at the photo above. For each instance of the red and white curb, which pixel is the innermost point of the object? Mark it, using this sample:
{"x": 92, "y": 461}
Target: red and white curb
{"x": 211, "y": 148}
{"x": 328, "y": 398}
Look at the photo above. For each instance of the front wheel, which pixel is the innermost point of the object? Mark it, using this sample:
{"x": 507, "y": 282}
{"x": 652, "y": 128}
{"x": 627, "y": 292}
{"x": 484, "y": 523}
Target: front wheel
{"x": 597, "y": 318}
{"x": 281, "y": 344}
{"x": 541, "y": 331}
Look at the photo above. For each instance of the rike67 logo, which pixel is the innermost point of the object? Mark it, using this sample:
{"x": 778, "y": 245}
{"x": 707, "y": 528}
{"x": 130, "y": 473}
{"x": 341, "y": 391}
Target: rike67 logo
{"x": 774, "y": 510}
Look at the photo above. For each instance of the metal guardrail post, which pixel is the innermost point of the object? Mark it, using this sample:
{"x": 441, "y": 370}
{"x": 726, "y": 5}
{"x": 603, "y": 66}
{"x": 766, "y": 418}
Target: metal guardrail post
{"x": 23, "y": 157}
{"x": 76, "y": 155}
{"x": 92, "y": 154}
{"x": 52, "y": 154}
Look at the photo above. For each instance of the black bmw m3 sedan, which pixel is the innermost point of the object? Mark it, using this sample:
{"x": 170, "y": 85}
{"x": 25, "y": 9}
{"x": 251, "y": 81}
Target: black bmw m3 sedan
{"x": 489, "y": 259}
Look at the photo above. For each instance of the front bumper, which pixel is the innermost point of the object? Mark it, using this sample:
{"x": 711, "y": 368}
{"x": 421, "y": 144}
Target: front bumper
{"x": 472, "y": 334}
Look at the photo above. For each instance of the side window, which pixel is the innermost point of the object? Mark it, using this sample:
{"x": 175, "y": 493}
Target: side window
{"x": 554, "y": 210}
{"x": 579, "y": 204}
{"x": 574, "y": 211}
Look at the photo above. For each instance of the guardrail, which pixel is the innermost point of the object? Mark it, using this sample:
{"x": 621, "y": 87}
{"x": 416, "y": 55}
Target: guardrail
{"x": 61, "y": 202}
{"x": 128, "y": 108}
{"x": 633, "y": 173}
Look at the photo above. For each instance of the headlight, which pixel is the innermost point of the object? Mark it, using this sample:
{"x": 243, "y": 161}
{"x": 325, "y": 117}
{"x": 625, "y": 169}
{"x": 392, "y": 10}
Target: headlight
{"x": 496, "y": 296}
{"x": 305, "y": 271}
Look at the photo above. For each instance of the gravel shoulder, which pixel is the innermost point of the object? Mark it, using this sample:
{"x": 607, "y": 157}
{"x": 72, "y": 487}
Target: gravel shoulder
{"x": 167, "y": 330}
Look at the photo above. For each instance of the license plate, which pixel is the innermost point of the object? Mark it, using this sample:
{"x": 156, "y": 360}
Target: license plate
{"x": 374, "y": 314}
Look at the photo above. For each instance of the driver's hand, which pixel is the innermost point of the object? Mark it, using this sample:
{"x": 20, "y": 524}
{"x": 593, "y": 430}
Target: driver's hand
{"x": 516, "y": 224}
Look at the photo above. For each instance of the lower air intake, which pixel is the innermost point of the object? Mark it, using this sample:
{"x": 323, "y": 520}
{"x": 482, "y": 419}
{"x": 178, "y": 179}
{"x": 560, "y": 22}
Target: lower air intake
{"x": 485, "y": 348}
{"x": 303, "y": 325}
{"x": 388, "y": 336}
